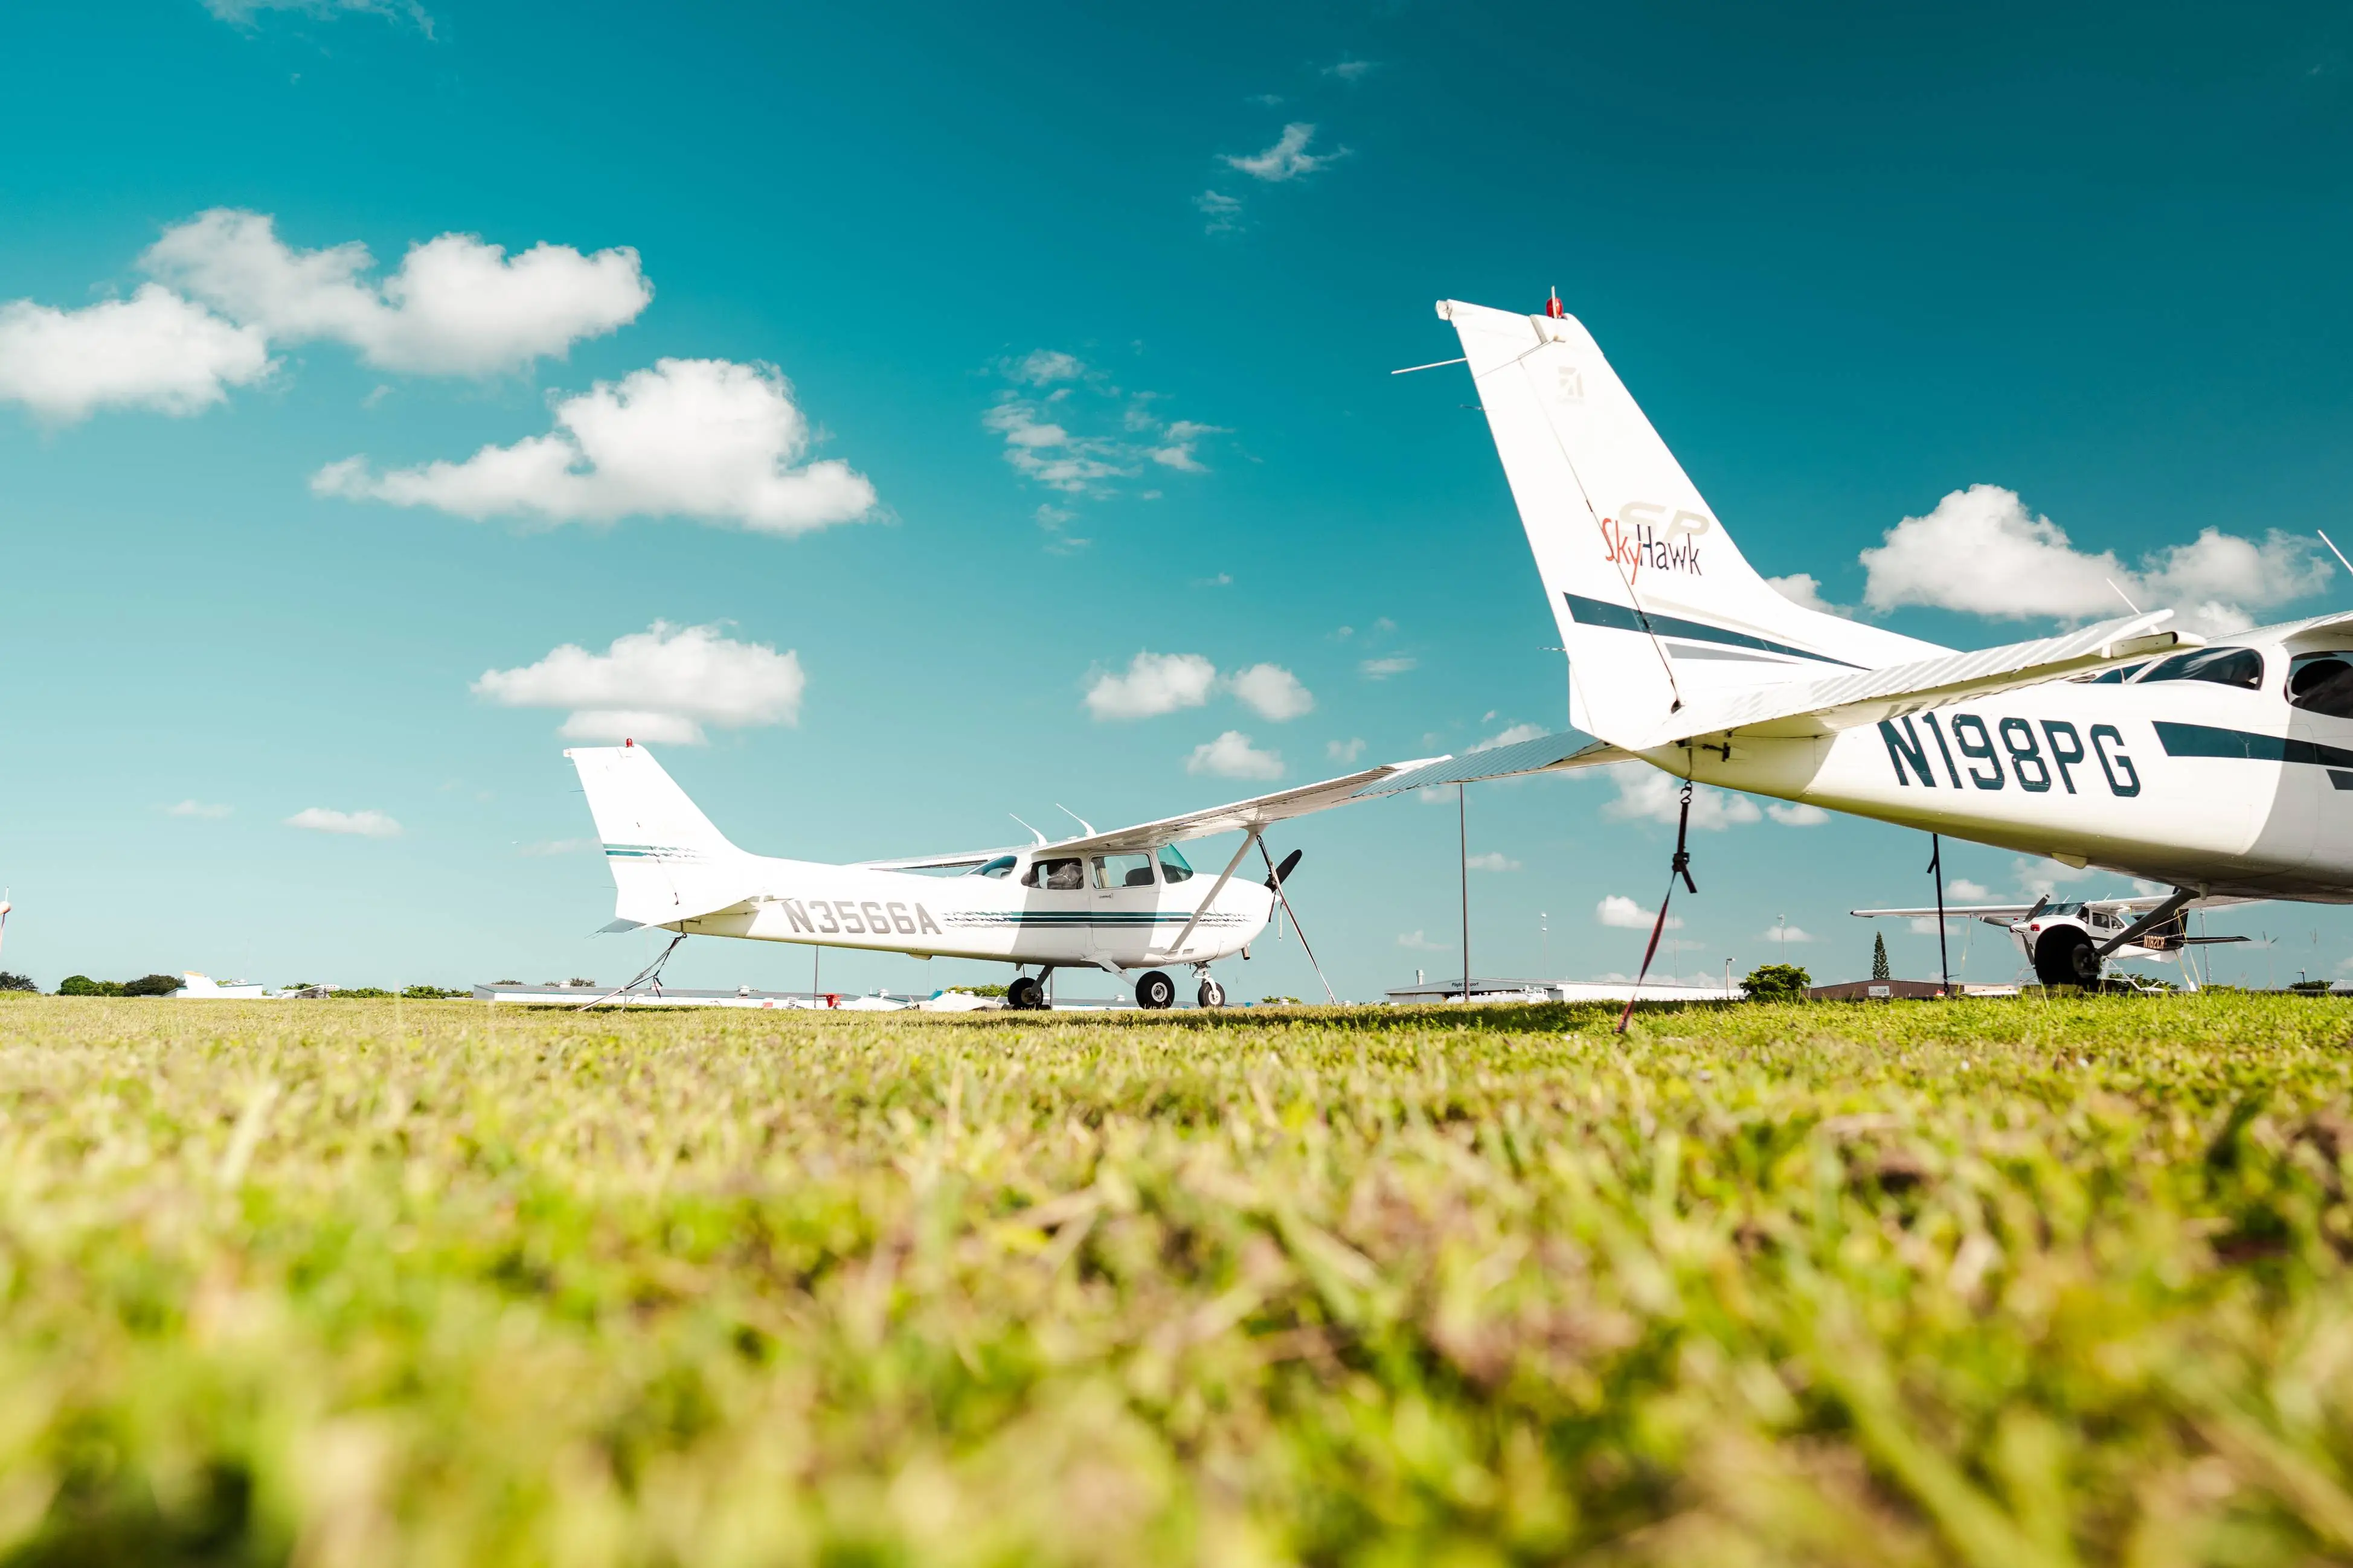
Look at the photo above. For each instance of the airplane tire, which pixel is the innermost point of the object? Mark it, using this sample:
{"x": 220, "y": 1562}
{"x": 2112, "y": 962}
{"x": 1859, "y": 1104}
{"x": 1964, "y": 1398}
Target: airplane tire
{"x": 1212, "y": 994}
{"x": 2065, "y": 957}
{"x": 1156, "y": 991}
{"x": 1025, "y": 993}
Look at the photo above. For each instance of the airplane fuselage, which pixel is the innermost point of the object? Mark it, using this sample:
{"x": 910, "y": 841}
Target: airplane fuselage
{"x": 2220, "y": 789}
{"x": 999, "y": 918}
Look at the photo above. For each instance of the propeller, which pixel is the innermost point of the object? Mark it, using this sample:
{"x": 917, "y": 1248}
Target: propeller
{"x": 1275, "y": 876}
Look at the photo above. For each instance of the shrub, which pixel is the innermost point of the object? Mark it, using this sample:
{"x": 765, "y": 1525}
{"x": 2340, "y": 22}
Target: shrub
{"x": 11, "y": 981}
{"x": 152, "y": 986}
{"x": 1778, "y": 983}
{"x": 359, "y": 992}
{"x": 430, "y": 993}
{"x": 83, "y": 986}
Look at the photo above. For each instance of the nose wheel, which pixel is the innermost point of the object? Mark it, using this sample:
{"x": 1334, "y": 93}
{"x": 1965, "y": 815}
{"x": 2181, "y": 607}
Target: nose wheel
{"x": 1212, "y": 994}
{"x": 1156, "y": 991}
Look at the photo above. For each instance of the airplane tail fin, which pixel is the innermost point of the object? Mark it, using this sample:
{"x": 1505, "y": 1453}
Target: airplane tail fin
{"x": 1656, "y": 604}
{"x": 668, "y": 862}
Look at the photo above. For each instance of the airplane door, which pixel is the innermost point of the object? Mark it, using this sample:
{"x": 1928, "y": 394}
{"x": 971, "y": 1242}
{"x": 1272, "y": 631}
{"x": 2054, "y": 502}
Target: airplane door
{"x": 1123, "y": 895}
{"x": 2294, "y": 832}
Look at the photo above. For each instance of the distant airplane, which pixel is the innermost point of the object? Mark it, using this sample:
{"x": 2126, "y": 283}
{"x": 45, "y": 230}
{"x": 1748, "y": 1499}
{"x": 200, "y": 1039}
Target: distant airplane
{"x": 1122, "y": 900}
{"x": 2222, "y": 771}
{"x": 2086, "y": 922}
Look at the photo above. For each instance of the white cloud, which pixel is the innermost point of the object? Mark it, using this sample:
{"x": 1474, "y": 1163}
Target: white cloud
{"x": 197, "y": 808}
{"x": 154, "y": 351}
{"x": 1416, "y": 941}
{"x": 1288, "y": 158}
{"x": 1926, "y": 925}
{"x": 457, "y": 306}
{"x": 1968, "y": 892}
{"x": 1382, "y": 668}
{"x": 1271, "y": 692}
{"x": 1232, "y": 756}
{"x": 1616, "y": 910}
{"x": 1223, "y": 212}
{"x": 1155, "y": 683}
{"x": 707, "y": 440}
{"x": 358, "y": 823}
{"x": 1511, "y": 737}
{"x": 1784, "y": 934}
{"x": 2041, "y": 878}
{"x": 1349, "y": 69}
{"x": 1344, "y": 753}
{"x": 661, "y": 684}
{"x": 1797, "y": 815}
{"x": 1044, "y": 367}
{"x": 1044, "y": 430}
{"x": 1182, "y": 436}
{"x": 1983, "y": 552}
{"x": 557, "y": 847}
{"x": 1643, "y": 792}
{"x": 1802, "y": 588}
{"x": 244, "y": 11}
{"x": 1490, "y": 861}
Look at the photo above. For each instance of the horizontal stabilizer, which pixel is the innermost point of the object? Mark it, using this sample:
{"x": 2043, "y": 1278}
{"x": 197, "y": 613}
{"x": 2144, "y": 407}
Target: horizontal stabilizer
{"x": 1813, "y": 708}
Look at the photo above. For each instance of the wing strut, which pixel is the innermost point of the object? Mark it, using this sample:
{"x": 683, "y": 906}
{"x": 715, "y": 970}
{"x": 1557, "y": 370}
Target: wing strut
{"x": 1223, "y": 877}
{"x": 2157, "y": 916}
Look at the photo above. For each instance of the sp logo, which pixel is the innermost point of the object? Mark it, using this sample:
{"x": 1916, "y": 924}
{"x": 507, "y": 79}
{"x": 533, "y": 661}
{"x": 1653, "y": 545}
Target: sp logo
{"x": 1644, "y": 533}
{"x": 1570, "y": 386}
{"x": 1650, "y": 517}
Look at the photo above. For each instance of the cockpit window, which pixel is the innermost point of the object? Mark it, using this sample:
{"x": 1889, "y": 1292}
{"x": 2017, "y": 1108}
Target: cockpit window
{"x": 2115, "y": 677}
{"x": 1122, "y": 870}
{"x": 1055, "y": 876}
{"x": 1000, "y": 867}
{"x": 1173, "y": 867}
{"x": 2222, "y": 666}
{"x": 2322, "y": 683}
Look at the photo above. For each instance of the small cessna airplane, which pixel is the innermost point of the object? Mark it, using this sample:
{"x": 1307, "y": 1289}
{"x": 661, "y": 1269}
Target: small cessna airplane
{"x": 1114, "y": 902}
{"x": 2069, "y": 925}
{"x": 2222, "y": 771}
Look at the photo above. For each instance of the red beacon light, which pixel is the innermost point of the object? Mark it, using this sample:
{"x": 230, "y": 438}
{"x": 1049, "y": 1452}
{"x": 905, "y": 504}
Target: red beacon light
{"x": 627, "y": 741}
{"x": 1553, "y": 306}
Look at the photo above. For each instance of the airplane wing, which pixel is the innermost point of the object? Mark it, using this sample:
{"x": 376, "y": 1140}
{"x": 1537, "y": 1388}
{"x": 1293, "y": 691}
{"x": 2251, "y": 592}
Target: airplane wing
{"x": 1957, "y": 911}
{"x": 1813, "y": 708}
{"x": 962, "y": 861}
{"x": 1242, "y": 816}
{"x": 1546, "y": 754}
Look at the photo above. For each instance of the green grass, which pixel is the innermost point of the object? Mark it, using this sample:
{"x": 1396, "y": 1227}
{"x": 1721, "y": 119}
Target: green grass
{"x": 1986, "y": 1283}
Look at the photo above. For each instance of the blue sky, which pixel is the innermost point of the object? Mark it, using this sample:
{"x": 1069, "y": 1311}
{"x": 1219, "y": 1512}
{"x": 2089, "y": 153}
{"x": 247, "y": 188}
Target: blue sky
{"x": 1105, "y": 340}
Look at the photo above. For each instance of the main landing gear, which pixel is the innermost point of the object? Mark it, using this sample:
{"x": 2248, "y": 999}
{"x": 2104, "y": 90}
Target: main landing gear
{"x": 1027, "y": 993}
{"x": 1155, "y": 990}
{"x": 2065, "y": 956}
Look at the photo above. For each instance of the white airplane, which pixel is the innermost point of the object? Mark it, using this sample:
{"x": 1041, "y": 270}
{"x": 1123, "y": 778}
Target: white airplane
{"x": 2074, "y": 923}
{"x": 1116, "y": 902}
{"x": 2128, "y": 745}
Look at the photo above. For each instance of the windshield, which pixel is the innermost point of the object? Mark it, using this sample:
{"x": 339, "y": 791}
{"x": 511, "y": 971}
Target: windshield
{"x": 2115, "y": 677}
{"x": 1173, "y": 867}
{"x": 1000, "y": 867}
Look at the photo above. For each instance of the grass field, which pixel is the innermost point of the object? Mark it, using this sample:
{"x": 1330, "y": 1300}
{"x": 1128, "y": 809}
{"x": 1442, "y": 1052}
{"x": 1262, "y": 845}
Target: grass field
{"x": 1990, "y": 1283}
